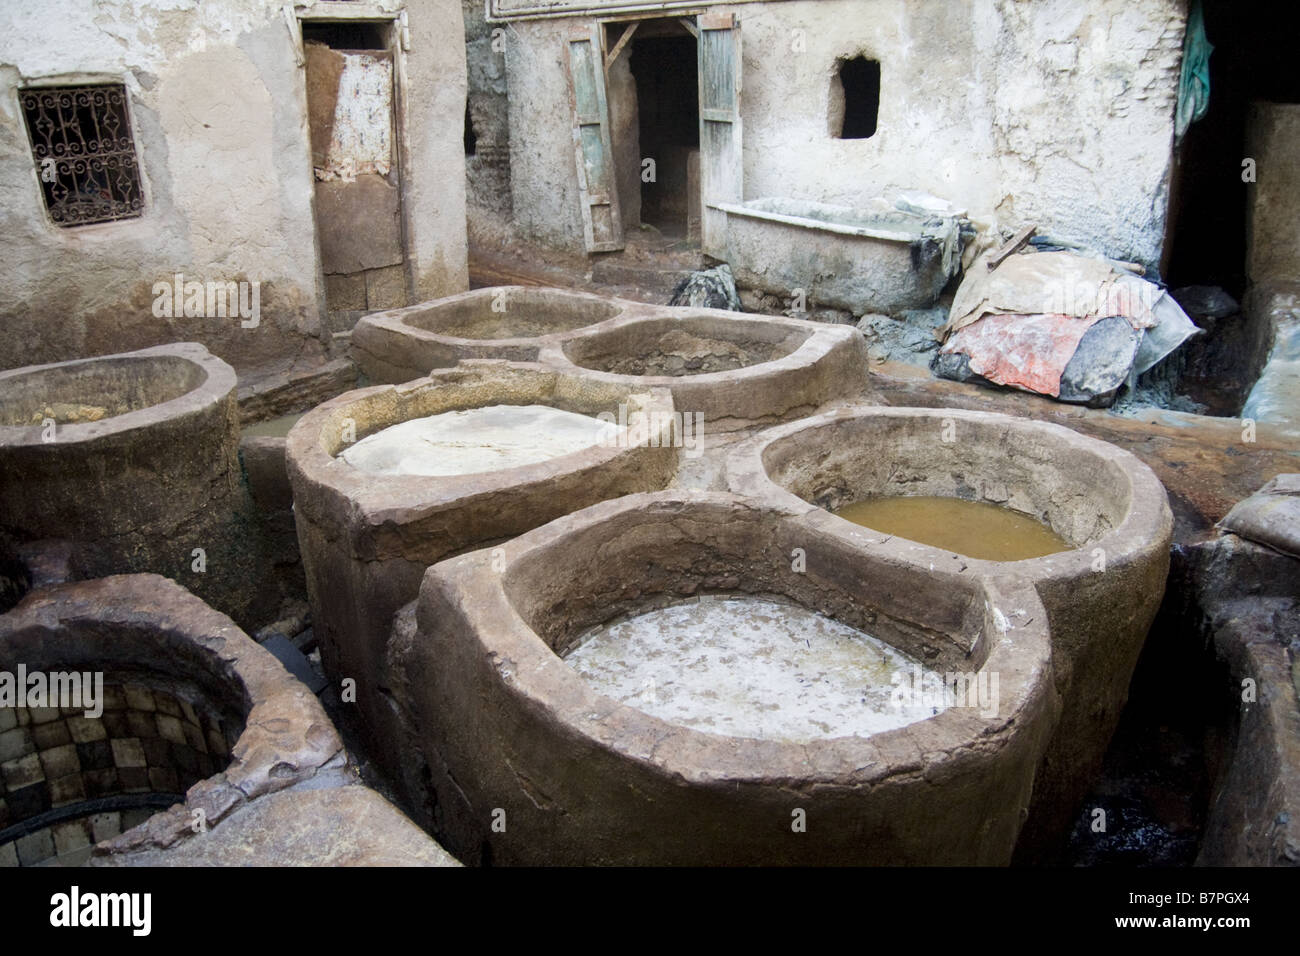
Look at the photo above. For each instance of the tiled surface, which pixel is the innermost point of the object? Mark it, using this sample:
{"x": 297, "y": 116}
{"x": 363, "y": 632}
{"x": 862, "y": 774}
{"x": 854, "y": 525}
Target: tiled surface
{"x": 146, "y": 740}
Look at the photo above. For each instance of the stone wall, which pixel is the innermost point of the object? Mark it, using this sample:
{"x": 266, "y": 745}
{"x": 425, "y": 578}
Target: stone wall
{"x": 1273, "y": 241}
{"x": 218, "y": 113}
{"x": 1055, "y": 112}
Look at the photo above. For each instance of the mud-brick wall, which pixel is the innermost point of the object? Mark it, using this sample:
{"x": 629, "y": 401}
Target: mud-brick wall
{"x": 218, "y": 113}
{"x": 1054, "y": 112}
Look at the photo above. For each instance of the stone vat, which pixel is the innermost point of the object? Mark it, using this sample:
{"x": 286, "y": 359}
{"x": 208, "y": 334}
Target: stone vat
{"x": 1101, "y": 596}
{"x": 513, "y": 757}
{"x": 132, "y": 459}
{"x": 366, "y": 539}
{"x": 502, "y": 322}
{"x": 193, "y": 716}
{"x": 861, "y": 260}
{"x": 729, "y": 368}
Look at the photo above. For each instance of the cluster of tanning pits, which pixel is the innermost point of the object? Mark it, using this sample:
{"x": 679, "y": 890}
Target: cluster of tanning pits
{"x": 616, "y": 583}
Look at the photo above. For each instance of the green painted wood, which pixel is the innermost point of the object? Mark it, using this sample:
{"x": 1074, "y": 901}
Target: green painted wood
{"x": 593, "y": 154}
{"x": 721, "y": 172}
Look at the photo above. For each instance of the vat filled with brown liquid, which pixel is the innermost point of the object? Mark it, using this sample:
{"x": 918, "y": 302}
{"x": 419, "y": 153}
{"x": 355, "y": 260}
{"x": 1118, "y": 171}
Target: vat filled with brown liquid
{"x": 976, "y": 529}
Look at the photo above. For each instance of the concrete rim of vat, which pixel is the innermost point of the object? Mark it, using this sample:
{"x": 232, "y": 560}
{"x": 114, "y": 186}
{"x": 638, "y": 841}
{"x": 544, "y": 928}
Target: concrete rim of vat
{"x": 211, "y": 381}
{"x": 1144, "y": 512}
{"x": 146, "y": 624}
{"x": 829, "y": 362}
{"x": 474, "y": 636}
{"x": 385, "y": 339}
{"x": 326, "y": 487}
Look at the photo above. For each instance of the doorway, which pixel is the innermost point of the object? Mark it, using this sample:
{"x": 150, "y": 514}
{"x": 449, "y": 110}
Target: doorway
{"x": 352, "y": 123}
{"x": 655, "y": 112}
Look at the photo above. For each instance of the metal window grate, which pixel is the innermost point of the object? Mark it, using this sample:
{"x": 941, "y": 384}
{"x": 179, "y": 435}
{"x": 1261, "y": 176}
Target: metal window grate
{"x": 85, "y": 158}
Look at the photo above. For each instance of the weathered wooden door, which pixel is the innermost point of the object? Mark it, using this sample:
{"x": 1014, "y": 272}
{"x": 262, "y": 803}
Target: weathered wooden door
{"x": 720, "y": 156}
{"x": 357, "y": 191}
{"x": 601, "y": 224}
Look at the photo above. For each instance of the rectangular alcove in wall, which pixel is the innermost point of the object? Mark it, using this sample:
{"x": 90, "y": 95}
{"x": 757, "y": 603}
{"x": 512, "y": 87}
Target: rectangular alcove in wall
{"x": 354, "y": 121}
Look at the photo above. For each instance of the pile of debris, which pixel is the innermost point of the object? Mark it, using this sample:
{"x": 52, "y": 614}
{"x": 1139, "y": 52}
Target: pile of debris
{"x": 1057, "y": 322}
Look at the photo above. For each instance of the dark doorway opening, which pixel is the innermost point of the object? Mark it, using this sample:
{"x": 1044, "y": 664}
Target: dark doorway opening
{"x": 664, "y": 68}
{"x": 1253, "y": 59}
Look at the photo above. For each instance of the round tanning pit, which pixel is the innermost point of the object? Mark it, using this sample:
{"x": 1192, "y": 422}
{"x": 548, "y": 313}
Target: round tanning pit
{"x": 653, "y": 680}
{"x": 729, "y": 368}
{"x": 1108, "y": 511}
{"x": 374, "y": 506}
{"x": 125, "y": 696}
{"x": 502, "y": 322}
{"x": 132, "y": 458}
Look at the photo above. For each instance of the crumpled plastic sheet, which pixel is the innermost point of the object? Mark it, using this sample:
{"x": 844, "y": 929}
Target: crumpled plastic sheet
{"x": 1021, "y": 323}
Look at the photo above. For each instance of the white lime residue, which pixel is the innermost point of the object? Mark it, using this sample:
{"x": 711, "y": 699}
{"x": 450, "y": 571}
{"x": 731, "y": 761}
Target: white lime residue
{"x": 751, "y": 667}
{"x": 477, "y": 439}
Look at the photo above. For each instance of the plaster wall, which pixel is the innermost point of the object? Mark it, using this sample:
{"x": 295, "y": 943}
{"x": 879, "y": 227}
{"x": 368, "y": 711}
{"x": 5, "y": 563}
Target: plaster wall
{"x": 1052, "y": 112}
{"x": 219, "y": 119}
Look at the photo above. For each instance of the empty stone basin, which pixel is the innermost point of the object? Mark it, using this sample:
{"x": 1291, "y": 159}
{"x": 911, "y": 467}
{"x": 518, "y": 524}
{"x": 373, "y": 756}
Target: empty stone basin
{"x": 727, "y": 367}
{"x": 172, "y": 707}
{"x": 133, "y": 459}
{"x": 878, "y": 258}
{"x": 503, "y": 322}
{"x": 501, "y": 725}
{"x": 366, "y": 538}
{"x": 1100, "y": 596}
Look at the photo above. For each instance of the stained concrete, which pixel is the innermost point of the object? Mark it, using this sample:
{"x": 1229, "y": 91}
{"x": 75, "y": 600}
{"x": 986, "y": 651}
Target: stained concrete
{"x": 338, "y": 826}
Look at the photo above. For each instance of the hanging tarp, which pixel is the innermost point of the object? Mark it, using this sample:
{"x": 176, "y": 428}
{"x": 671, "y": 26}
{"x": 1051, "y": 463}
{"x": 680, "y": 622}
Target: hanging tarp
{"x": 1194, "y": 81}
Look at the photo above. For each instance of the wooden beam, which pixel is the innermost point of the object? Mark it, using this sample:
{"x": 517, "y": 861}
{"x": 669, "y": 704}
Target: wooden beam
{"x": 690, "y": 27}
{"x": 622, "y": 42}
{"x": 1018, "y": 240}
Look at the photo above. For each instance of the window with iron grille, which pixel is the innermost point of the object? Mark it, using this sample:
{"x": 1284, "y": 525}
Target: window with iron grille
{"x": 85, "y": 157}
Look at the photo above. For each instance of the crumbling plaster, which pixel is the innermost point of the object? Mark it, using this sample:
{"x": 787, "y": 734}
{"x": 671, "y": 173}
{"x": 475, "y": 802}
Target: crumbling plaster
{"x": 219, "y": 117}
{"x": 1052, "y": 112}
